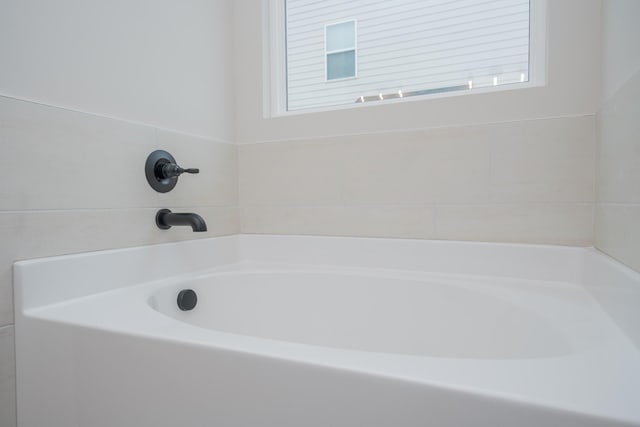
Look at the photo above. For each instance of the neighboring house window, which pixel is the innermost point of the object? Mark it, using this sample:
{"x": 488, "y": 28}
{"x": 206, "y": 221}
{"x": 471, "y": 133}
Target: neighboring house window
{"x": 340, "y": 48}
{"x": 402, "y": 48}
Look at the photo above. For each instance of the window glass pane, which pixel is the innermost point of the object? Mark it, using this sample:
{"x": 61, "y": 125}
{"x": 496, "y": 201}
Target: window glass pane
{"x": 341, "y": 36}
{"x": 404, "y": 48}
{"x": 341, "y": 65}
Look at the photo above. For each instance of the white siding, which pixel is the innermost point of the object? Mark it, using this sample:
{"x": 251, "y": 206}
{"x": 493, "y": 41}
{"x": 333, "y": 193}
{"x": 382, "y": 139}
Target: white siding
{"x": 407, "y": 45}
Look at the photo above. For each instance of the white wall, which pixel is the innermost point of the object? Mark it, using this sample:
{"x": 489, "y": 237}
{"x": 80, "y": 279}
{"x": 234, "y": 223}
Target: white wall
{"x": 73, "y": 181}
{"x": 618, "y": 207}
{"x": 620, "y": 53}
{"x": 158, "y": 62}
{"x": 512, "y": 166}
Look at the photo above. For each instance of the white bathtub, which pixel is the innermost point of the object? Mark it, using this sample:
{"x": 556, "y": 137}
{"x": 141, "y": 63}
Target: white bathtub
{"x": 319, "y": 331}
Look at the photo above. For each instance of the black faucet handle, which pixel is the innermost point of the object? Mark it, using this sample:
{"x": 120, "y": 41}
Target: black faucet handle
{"x": 162, "y": 171}
{"x": 170, "y": 170}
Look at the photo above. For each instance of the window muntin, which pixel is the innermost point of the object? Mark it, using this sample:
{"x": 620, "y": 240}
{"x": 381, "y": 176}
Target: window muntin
{"x": 407, "y": 48}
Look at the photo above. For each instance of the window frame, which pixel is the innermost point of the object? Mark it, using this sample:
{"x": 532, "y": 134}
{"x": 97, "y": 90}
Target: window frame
{"x": 275, "y": 63}
{"x": 327, "y": 52}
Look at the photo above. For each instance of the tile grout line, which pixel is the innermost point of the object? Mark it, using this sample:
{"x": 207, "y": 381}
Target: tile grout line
{"x": 78, "y": 210}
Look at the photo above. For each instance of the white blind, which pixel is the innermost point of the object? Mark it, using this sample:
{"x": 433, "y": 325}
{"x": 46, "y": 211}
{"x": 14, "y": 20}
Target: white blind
{"x": 406, "y": 47}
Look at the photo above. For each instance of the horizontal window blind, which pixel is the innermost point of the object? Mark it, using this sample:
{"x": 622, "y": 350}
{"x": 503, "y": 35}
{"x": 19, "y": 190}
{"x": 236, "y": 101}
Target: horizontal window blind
{"x": 406, "y": 47}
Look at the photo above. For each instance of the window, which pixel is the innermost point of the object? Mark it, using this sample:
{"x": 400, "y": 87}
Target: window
{"x": 338, "y": 52}
{"x": 340, "y": 47}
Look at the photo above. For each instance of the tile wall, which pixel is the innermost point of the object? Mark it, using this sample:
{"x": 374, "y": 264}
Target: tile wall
{"x": 618, "y": 197}
{"x": 75, "y": 182}
{"x": 529, "y": 181}
{"x": 618, "y": 208}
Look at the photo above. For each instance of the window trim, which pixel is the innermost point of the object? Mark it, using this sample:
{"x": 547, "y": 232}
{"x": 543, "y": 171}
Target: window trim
{"x": 327, "y": 52}
{"x": 275, "y": 67}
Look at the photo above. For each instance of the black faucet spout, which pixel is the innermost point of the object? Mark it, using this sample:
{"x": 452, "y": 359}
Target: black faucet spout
{"x": 165, "y": 219}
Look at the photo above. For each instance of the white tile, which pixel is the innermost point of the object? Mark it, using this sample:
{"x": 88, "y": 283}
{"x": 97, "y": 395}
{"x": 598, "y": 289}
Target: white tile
{"x": 618, "y": 232}
{"x": 618, "y": 208}
{"x": 362, "y": 221}
{"x": 619, "y": 146}
{"x": 549, "y": 160}
{"x": 59, "y": 159}
{"x": 531, "y": 181}
{"x": 563, "y": 224}
{"x": 45, "y": 233}
{"x": 449, "y": 165}
{"x": 291, "y": 172}
{"x": 6, "y": 292}
{"x": 394, "y": 168}
{"x": 528, "y": 161}
{"x": 7, "y": 378}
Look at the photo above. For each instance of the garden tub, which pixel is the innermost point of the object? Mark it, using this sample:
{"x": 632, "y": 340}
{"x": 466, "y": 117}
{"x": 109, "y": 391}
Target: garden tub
{"x": 327, "y": 331}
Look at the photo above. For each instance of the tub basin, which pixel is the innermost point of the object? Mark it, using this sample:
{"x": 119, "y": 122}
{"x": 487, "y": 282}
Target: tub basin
{"x": 320, "y": 331}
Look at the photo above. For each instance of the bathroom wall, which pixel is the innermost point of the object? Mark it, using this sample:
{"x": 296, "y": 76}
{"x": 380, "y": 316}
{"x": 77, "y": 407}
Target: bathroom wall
{"x": 511, "y": 166}
{"x": 618, "y": 207}
{"x": 83, "y": 101}
{"x": 82, "y": 104}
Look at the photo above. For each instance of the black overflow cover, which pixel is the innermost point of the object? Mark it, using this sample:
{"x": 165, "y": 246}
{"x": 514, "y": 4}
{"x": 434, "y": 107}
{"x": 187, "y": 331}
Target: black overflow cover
{"x": 187, "y": 299}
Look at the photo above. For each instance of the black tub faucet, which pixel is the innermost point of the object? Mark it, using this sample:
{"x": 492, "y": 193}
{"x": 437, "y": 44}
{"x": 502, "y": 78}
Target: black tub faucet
{"x": 165, "y": 219}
